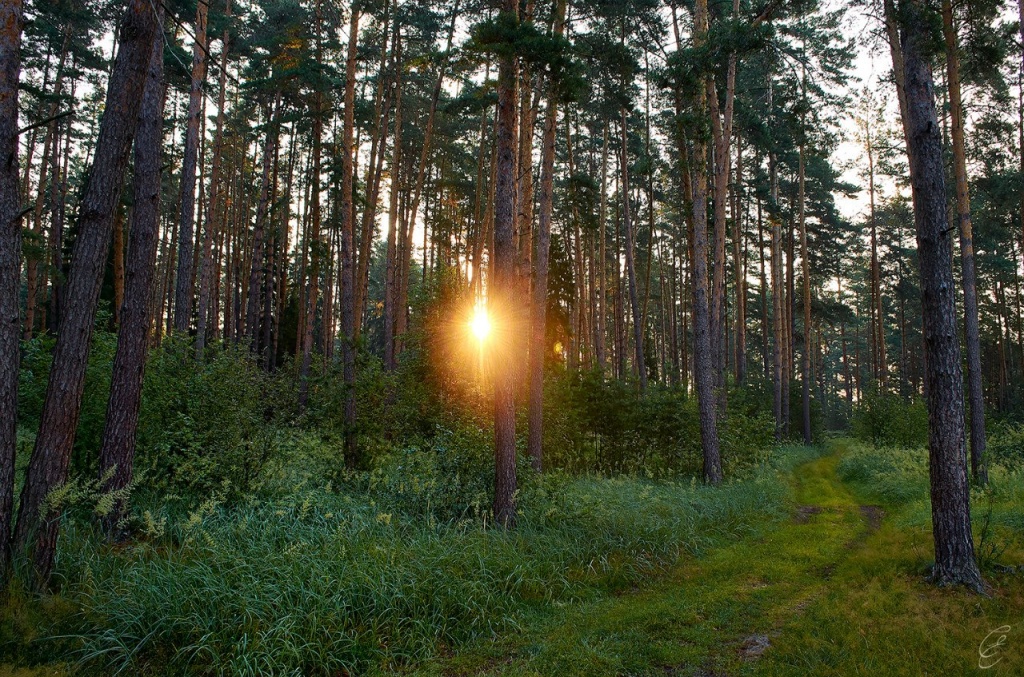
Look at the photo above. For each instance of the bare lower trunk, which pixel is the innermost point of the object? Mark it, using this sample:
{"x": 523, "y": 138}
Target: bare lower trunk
{"x": 186, "y": 239}
{"x": 348, "y": 271}
{"x": 206, "y": 265}
{"x": 39, "y": 520}
{"x": 538, "y": 314}
{"x": 703, "y": 356}
{"x": 117, "y": 452}
{"x": 11, "y": 21}
{"x": 503, "y": 302}
{"x": 634, "y": 303}
{"x": 972, "y": 339}
{"x": 950, "y": 496}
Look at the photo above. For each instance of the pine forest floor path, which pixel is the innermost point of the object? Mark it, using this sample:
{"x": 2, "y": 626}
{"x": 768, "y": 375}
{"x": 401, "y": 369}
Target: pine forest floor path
{"x": 839, "y": 589}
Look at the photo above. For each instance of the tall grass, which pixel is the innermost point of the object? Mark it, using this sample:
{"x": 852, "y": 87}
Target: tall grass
{"x": 329, "y": 583}
{"x": 898, "y": 477}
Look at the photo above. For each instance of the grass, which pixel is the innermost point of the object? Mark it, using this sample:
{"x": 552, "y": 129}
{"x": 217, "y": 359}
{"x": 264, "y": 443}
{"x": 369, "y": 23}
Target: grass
{"x": 336, "y": 583}
{"x": 815, "y": 565}
{"x": 838, "y": 590}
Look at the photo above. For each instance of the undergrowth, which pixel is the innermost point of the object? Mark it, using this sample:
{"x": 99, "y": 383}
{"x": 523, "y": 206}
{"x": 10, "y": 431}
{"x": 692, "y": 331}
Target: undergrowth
{"x": 334, "y": 582}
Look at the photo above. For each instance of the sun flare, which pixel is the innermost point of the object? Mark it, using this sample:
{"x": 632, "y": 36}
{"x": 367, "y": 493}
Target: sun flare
{"x": 480, "y": 324}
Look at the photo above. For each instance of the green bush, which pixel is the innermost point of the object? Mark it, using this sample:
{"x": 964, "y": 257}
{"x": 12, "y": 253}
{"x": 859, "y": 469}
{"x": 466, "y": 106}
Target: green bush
{"x": 449, "y": 476}
{"x": 1006, "y": 445}
{"x": 211, "y": 427}
{"x": 887, "y": 420}
{"x": 603, "y": 425}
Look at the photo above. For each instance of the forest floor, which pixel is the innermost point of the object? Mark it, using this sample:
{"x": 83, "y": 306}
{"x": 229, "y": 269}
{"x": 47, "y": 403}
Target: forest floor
{"x": 840, "y": 589}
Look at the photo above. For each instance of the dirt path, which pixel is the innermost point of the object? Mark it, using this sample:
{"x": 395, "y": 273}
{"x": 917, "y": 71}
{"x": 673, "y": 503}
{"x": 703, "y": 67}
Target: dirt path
{"x": 717, "y": 615}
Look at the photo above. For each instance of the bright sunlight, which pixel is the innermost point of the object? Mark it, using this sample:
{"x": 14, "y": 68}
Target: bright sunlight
{"x": 480, "y": 324}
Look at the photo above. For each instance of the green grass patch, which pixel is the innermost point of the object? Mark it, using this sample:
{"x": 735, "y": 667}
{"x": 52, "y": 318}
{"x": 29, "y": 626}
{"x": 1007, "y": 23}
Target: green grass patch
{"x": 334, "y": 583}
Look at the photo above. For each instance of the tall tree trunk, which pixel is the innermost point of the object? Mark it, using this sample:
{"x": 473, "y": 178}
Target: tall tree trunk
{"x": 538, "y": 314}
{"x": 602, "y": 273}
{"x": 778, "y": 287}
{"x": 315, "y": 249}
{"x": 401, "y": 320}
{"x": 503, "y": 302}
{"x": 627, "y": 224}
{"x": 390, "y": 283}
{"x": 11, "y": 22}
{"x": 185, "y": 284}
{"x": 206, "y": 266}
{"x": 374, "y": 170}
{"x": 805, "y": 367}
{"x": 117, "y": 451}
{"x": 703, "y": 357}
{"x": 38, "y": 520}
{"x": 348, "y": 268}
{"x": 257, "y": 264}
{"x": 976, "y": 396}
{"x": 950, "y": 495}
{"x": 740, "y": 272}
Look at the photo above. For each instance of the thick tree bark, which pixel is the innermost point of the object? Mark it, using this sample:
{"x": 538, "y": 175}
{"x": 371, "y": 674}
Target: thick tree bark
{"x": 38, "y": 520}
{"x": 950, "y": 495}
{"x": 185, "y": 282}
{"x": 11, "y": 22}
{"x": 117, "y": 452}
{"x": 503, "y": 303}
{"x": 972, "y": 340}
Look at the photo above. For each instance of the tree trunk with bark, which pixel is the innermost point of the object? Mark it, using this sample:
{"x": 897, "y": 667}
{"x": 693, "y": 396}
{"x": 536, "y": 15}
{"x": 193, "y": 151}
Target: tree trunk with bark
{"x": 117, "y": 451}
{"x": 503, "y": 302}
{"x": 538, "y": 312}
{"x": 950, "y": 494}
{"x": 972, "y": 340}
{"x": 703, "y": 356}
{"x": 213, "y": 203}
{"x": 11, "y": 23}
{"x": 38, "y": 518}
{"x": 630, "y": 246}
{"x": 184, "y": 282}
{"x": 348, "y": 268}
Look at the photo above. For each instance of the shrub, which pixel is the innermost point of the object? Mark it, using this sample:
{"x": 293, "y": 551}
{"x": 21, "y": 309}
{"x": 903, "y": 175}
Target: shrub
{"x": 887, "y": 420}
{"x": 1006, "y": 445}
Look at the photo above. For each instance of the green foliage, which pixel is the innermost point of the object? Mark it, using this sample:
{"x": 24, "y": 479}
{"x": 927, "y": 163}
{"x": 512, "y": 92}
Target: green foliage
{"x": 596, "y": 424}
{"x": 887, "y": 420}
{"x": 1006, "y": 445}
{"x": 447, "y": 477}
{"x": 214, "y": 427}
{"x": 894, "y": 475}
{"x": 323, "y": 583}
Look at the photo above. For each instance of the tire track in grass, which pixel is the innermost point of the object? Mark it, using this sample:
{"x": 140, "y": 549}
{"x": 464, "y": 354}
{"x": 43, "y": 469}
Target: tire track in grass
{"x": 716, "y": 615}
